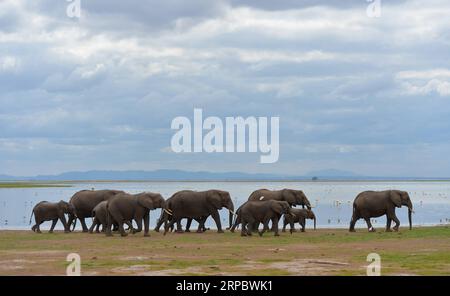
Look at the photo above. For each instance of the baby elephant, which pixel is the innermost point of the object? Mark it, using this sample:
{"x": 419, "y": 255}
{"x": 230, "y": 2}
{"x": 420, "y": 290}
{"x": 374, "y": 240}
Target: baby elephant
{"x": 300, "y": 216}
{"x": 46, "y": 211}
{"x": 255, "y": 212}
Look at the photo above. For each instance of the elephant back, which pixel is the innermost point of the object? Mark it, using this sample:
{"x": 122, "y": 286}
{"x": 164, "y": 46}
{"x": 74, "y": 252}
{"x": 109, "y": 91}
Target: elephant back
{"x": 263, "y": 194}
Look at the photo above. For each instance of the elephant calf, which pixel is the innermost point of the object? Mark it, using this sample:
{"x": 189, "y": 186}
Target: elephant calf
{"x": 51, "y": 211}
{"x": 300, "y": 216}
{"x": 255, "y": 212}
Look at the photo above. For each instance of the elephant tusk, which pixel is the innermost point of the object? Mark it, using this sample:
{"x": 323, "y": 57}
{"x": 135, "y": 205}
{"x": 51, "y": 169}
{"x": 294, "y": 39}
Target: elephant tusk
{"x": 232, "y": 212}
{"x": 165, "y": 210}
{"x": 261, "y": 198}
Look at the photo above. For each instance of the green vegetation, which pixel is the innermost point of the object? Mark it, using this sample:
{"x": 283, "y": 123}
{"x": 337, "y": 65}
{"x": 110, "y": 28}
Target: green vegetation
{"x": 31, "y": 185}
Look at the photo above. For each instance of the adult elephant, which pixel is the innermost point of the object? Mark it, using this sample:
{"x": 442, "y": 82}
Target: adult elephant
{"x": 85, "y": 201}
{"x": 194, "y": 204}
{"x": 254, "y": 212}
{"x": 127, "y": 207}
{"x": 291, "y": 196}
{"x": 166, "y": 216}
{"x": 370, "y": 204}
{"x": 100, "y": 215}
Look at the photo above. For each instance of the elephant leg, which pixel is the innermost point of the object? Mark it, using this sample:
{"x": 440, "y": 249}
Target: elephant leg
{"x": 397, "y": 223}
{"x": 188, "y": 225}
{"x": 388, "y": 224}
{"x": 54, "y": 221}
{"x": 201, "y": 224}
{"x": 38, "y": 226}
{"x": 369, "y": 225}
{"x": 352, "y": 223}
{"x": 244, "y": 230}
{"x": 94, "y": 224}
{"x": 138, "y": 224}
{"x": 179, "y": 226}
{"x": 275, "y": 226}
{"x": 255, "y": 226}
{"x": 169, "y": 224}
{"x": 33, "y": 228}
{"x": 146, "y": 224}
{"x": 102, "y": 224}
{"x": 302, "y": 224}
{"x": 247, "y": 227}
{"x": 115, "y": 227}
{"x": 284, "y": 225}
{"x": 66, "y": 226}
{"x": 83, "y": 224}
{"x": 158, "y": 224}
{"x": 216, "y": 217}
{"x": 130, "y": 227}
{"x": 109, "y": 224}
{"x": 265, "y": 227}
{"x": 292, "y": 224}
{"x": 122, "y": 229}
{"x": 236, "y": 223}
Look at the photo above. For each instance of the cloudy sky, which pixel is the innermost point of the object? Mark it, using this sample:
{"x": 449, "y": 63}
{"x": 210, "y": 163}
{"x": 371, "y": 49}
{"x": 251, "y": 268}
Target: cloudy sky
{"x": 368, "y": 95}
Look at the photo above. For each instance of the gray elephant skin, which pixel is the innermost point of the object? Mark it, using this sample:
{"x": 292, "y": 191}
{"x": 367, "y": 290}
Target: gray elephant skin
{"x": 165, "y": 216}
{"x": 85, "y": 201}
{"x": 298, "y": 216}
{"x": 371, "y": 204}
{"x": 125, "y": 207}
{"x": 100, "y": 214}
{"x": 254, "y": 212}
{"x": 291, "y": 196}
{"x": 51, "y": 211}
{"x": 195, "y": 204}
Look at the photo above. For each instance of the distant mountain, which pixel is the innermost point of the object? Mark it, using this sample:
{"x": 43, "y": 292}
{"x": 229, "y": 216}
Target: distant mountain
{"x": 157, "y": 175}
{"x": 180, "y": 175}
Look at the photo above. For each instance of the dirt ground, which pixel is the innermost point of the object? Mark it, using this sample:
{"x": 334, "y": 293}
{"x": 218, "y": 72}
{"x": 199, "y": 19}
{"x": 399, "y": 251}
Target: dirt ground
{"x": 421, "y": 251}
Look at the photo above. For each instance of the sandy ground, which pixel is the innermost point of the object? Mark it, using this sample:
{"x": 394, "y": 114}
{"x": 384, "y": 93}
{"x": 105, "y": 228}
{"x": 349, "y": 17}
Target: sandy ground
{"x": 421, "y": 251}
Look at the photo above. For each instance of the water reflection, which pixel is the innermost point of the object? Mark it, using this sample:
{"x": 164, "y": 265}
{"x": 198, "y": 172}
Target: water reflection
{"x": 332, "y": 201}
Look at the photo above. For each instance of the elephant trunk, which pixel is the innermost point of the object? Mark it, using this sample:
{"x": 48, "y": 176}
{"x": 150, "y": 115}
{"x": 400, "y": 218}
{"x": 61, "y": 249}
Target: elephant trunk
{"x": 410, "y": 218}
{"x": 74, "y": 224}
{"x": 230, "y": 208}
{"x": 314, "y": 218}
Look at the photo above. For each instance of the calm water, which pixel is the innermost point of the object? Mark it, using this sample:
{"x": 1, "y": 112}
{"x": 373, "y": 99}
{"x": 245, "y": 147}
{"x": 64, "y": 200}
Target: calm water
{"x": 332, "y": 200}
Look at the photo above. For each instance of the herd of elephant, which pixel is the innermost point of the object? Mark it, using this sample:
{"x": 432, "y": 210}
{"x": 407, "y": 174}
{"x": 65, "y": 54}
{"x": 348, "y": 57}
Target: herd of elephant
{"x": 111, "y": 209}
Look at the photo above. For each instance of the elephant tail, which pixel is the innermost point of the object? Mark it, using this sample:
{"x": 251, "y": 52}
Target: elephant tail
{"x": 31, "y": 216}
{"x": 354, "y": 209}
{"x": 237, "y": 220}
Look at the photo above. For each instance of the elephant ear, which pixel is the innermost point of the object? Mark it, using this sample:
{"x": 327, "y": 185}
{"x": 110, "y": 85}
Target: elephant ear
{"x": 215, "y": 199}
{"x": 289, "y": 196}
{"x": 277, "y": 208}
{"x": 144, "y": 201}
{"x": 396, "y": 198}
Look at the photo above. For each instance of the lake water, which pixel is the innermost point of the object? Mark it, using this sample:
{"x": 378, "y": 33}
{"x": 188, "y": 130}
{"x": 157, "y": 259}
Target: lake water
{"x": 332, "y": 200}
